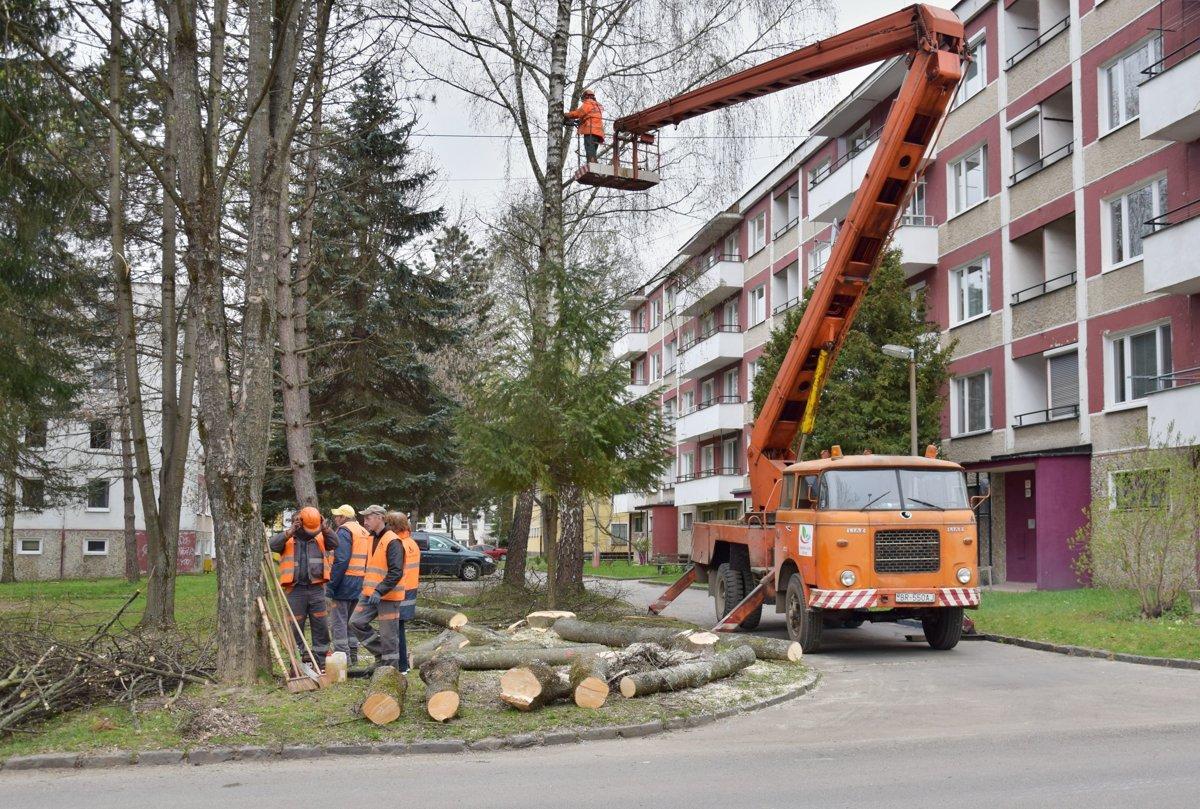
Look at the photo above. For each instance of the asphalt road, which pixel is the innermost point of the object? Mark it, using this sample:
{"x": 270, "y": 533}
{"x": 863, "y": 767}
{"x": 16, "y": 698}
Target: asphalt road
{"x": 892, "y": 723}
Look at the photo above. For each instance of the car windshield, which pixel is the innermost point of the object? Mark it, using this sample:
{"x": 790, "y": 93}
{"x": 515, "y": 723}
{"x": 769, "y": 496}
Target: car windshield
{"x": 892, "y": 490}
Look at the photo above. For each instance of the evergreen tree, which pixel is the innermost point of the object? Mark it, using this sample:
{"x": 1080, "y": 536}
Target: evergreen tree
{"x": 865, "y": 401}
{"x": 382, "y": 426}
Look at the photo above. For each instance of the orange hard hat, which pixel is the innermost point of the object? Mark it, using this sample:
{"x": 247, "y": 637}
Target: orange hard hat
{"x": 589, "y": 93}
{"x": 310, "y": 518}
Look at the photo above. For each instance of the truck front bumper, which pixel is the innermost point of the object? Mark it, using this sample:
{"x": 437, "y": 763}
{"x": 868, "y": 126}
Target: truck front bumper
{"x": 917, "y": 597}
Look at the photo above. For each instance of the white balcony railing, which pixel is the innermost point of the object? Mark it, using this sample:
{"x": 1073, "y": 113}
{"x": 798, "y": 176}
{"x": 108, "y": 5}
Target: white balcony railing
{"x": 832, "y": 191}
{"x": 721, "y": 414}
{"x": 710, "y": 486}
{"x": 712, "y": 350}
{"x": 721, "y": 277}
{"x": 917, "y": 241}
{"x": 631, "y": 344}
{"x": 1168, "y": 104}
{"x": 1169, "y": 250}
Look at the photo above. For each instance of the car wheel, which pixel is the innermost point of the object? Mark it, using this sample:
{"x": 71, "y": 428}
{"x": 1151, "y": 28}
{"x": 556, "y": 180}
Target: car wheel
{"x": 469, "y": 571}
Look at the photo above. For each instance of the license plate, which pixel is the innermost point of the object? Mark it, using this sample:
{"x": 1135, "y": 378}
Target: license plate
{"x": 915, "y": 598}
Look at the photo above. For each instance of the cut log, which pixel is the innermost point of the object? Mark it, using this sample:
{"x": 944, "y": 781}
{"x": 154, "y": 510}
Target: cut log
{"x": 544, "y": 619}
{"x": 491, "y": 658}
{"x": 384, "y": 700}
{"x": 440, "y": 675}
{"x": 683, "y": 639}
{"x": 531, "y": 686}
{"x": 698, "y": 642}
{"x": 589, "y": 681}
{"x": 482, "y": 636}
{"x": 688, "y": 675}
{"x": 447, "y": 641}
{"x": 447, "y": 618}
{"x": 767, "y": 648}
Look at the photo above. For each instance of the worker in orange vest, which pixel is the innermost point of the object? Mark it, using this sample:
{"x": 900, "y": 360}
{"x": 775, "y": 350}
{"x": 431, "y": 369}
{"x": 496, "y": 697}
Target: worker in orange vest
{"x": 345, "y": 578}
{"x": 398, "y": 523}
{"x": 305, "y": 559}
{"x": 590, "y": 116}
{"x": 382, "y": 593}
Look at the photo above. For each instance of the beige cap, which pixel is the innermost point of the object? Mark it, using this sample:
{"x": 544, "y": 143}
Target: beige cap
{"x": 343, "y": 511}
{"x": 380, "y": 510}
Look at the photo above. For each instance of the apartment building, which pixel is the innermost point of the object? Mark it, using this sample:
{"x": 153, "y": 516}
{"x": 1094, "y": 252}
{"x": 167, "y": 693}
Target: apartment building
{"x": 1055, "y": 239}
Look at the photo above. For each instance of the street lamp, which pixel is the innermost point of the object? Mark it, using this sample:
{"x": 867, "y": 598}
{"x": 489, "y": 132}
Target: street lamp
{"x": 910, "y": 354}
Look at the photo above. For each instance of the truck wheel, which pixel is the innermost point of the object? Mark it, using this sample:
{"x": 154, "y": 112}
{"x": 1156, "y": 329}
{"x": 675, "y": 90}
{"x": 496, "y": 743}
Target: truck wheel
{"x": 804, "y": 624}
{"x": 943, "y": 628}
{"x": 731, "y": 589}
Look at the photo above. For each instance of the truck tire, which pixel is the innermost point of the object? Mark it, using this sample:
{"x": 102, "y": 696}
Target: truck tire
{"x": 943, "y": 628}
{"x": 804, "y": 624}
{"x": 731, "y": 589}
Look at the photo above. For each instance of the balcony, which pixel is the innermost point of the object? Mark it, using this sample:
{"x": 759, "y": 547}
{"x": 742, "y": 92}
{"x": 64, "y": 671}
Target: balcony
{"x": 833, "y": 189}
{"x": 1037, "y": 42}
{"x": 720, "y": 278}
{"x": 1038, "y": 290}
{"x": 722, "y": 414}
{"x": 917, "y": 240}
{"x": 1170, "y": 109}
{"x": 708, "y": 486}
{"x": 1171, "y": 410}
{"x": 1060, "y": 413}
{"x": 630, "y": 344}
{"x": 714, "y": 349}
{"x": 1169, "y": 251}
{"x": 641, "y": 387}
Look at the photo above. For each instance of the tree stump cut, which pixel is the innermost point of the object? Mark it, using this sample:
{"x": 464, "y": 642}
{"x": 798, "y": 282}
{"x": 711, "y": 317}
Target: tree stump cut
{"x": 384, "y": 700}
{"x": 440, "y": 675}
{"x": 529, "y": 687}
{"x": 589, "y": 681}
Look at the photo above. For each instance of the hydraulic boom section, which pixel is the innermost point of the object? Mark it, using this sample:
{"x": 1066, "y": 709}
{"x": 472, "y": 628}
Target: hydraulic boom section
{"x": 932, "y": 41}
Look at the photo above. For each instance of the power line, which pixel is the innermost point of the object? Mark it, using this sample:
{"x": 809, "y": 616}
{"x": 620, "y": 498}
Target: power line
{"x": 672, "y": 137}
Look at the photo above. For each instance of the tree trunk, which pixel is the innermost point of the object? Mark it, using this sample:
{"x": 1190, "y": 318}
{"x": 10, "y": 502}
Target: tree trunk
{"x": 531, "y": 686}
{"x": 688, "y": 675}
{"x": 384, "y": 700}
{"x": 518, "y": 541}
{"x": 569, "y": 575}
{"x": 451, "y": 619}
{"x": 494, "y": 659}
{"x": 440, "y": 675}
{"x": 8, "y": 501}
{"x": 589, "y": 681}
{"x": 481, "y": 636}
{"x": 447, "y": 641}
{"x": 129, "y": 534}
{"x": 577, "y": 631}
{"x": 550, "y": 548}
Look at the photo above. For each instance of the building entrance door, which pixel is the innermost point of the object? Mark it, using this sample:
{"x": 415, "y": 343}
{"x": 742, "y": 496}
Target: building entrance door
{"x": 1020, "y": 526}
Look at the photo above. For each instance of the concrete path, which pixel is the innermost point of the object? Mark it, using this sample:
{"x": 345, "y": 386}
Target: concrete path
{"x": 892, "y": 723}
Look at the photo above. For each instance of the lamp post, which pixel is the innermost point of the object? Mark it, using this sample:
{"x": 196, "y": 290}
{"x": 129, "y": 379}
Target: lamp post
{"x": 910, "y": 354}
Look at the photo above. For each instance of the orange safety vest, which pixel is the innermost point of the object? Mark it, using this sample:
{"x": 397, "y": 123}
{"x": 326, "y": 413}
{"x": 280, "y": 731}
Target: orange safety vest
{"x": 412, "y": 570}
{"x": 287, "y": 562}
{"x": 360, "y": 549}
{"x": 591, "y": 118}
{"x": 377, "y": 567}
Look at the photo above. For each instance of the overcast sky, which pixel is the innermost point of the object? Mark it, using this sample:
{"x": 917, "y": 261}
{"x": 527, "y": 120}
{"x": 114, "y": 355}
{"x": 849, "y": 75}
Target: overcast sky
{"x": 476, "y": 173}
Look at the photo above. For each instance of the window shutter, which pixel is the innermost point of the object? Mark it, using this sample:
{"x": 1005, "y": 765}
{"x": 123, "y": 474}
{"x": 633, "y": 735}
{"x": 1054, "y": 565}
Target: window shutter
{"x": 1064, "y": 383}
{"x": 1026, "y": 130}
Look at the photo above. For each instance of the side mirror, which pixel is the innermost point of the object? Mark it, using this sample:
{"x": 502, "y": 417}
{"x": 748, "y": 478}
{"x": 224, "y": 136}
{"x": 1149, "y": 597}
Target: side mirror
{"x": 456, "y": 549}
{"x": 978, "y": 500}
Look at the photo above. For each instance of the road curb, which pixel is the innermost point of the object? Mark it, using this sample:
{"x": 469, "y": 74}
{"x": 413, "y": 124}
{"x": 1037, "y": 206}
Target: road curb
{"x": 215, "y": 755}
{"x": 1086, "y": 651}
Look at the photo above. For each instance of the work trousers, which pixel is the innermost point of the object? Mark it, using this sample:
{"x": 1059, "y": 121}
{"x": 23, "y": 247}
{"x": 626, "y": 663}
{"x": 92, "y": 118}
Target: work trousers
{"x": 383, "y": 639}
{"x": 340, "y": 611}
{"x": 307, "y": 603}
{"x": 591, "y": 144}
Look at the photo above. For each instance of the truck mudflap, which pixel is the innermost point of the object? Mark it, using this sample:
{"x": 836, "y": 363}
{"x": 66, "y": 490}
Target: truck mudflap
{"x": 864, "y": 599}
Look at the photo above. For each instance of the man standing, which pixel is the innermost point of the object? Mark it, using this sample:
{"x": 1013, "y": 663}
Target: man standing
{"x": 590, "y": 115}
{"x": 345, "y": 578}
{"x": 397, "y": 523}
{"x": 305, "y": 559}
{"x": 381, "y": 593}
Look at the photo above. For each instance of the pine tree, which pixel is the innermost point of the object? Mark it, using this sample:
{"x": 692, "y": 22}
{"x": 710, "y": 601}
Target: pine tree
{"x": 865, "y": 402}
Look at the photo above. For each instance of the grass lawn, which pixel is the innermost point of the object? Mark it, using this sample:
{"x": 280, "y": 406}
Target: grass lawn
{"x": 1100, "y": 619}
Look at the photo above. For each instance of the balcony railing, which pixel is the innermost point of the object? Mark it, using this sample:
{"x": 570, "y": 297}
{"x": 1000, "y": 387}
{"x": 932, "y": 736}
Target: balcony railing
{"x": 707, "y": 403}
{"x": 1041, "y": 163}
{"x": 1176, "y": 379}
{"x": 856, "y": 150}
{"x": 639, "y": 380}
{"x": 1173, "y": 58}
{"x": 637, "y": 328}
{"x": 732, "y": 328}
{"x": 1060, "y": 413}
{"x": 709, "y": 473}
{"x": 1174, "y": 216}
{"x": 919, "y": 220}
{"x": 1047, "y": 35}
{"x": 1049, "y": 285}
{"x": 783, "y": 307}
{"x": 791, "y": 223}
{"x": 714, "y": 258}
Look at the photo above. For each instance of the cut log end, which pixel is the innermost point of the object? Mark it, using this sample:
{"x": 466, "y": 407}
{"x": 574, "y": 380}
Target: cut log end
{"x": 628, "y": 688}
{"x": 442, "y": 706}
{"x": 591, "y": 693}
{"x": 795, "y": 652}
{"x": 381, "y": 709}
{"x": 457, "y": 621}
{"x": 384, "y": 700}
{"x": 544, "y": 619}
{"x": 532, "y": 686}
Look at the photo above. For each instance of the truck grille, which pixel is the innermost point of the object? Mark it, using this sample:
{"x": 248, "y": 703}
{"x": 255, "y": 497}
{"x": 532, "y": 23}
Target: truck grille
{"x": 907, "y": 551}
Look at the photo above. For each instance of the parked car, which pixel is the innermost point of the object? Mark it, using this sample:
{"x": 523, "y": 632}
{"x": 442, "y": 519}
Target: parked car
{"x": 442, "y": 556}
{"x": 494, "y": 551}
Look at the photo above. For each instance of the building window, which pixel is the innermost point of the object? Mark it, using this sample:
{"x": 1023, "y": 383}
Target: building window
{"x": 731, "y": 383}
{"x": 655, "y": 366}
{"x": 619, "y": 531}
{"x": 685, "y": 521}
{"x": 975, "y": 73}
{"x": 1127, "y": 217}
{"x": 95, "y": 547}
{"x": 669, "y": 356}
{"x": 706, "y": 392}
{"x": 707, "y": 515}
{"x": 819, "y": 172}
{"x": 689, "y": 402}
{"x": 751, "y": 374}
{"x": 668, "y": 411}
{"x": 1119, "y": 81}
{"x": 1062, "y": 383}
{"x": 35, "y": 434}
{"x": 33, "y": 493}
{"x": 97, "y": 494}
{"x": 731, "y": 247}
{"x": 103, "y": 375}
{"x": 729, "y": 514}
{"x": 914, "y": 211}
{"x": 669, "y": 297}
{"x": 758, "y": 233}
{"x": 817, "y": 256}
{"x": 758, "y": 304}
{"x": 970, "y": 404}
{"x": 969, "y": 291}
{"x": 729, "y": 313}
{"x": 29, "y": 547}
{"x": 655, "y": 312}
{"x": 708, "y": 458}
{"x": 99, "y": 436}
{"x": 729, "y": 455}
{"x": 687, "y": 464}
{"x": 1137, "y": 360}
{"x": 968, "y": 180}
{"x": 1138, "y": 489}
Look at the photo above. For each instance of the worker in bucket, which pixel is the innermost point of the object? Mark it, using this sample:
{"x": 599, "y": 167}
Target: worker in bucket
{"x": 590, "y": 117}
{"x": 305, "y": 559}
{"x": 382, "y": 593}
{"x": 397, "y": 523}
{"x": 345, "y": 579}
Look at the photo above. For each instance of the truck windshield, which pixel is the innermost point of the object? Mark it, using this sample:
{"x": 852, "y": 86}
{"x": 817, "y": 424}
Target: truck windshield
{"x": 892, "y": 490}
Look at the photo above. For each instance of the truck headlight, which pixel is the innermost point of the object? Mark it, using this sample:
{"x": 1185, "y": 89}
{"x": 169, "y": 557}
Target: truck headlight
{"x": 848, "y": 578}
{"x": 964, "y": 575}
